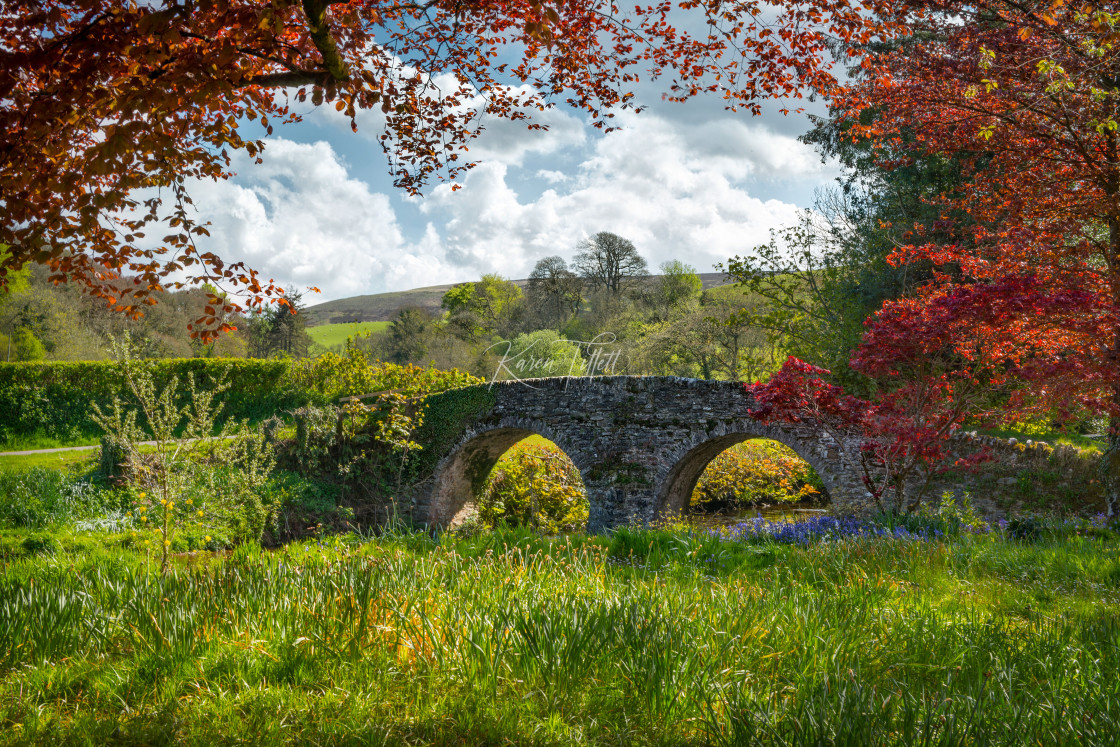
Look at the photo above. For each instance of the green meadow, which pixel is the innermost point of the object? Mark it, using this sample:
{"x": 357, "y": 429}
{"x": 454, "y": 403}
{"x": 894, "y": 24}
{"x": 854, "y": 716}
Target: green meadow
{"x": 329, "y": 336}
{"x": 660, "y": 637}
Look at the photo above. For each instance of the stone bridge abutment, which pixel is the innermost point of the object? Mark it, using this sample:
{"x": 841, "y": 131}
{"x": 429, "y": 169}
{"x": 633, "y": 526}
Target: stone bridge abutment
{"x": 640, "y": 444}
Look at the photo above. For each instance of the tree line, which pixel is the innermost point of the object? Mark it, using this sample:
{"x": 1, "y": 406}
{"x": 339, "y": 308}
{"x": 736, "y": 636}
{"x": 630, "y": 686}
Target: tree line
{"x": 664, "y": 324}
{"x": 42, "y": 320}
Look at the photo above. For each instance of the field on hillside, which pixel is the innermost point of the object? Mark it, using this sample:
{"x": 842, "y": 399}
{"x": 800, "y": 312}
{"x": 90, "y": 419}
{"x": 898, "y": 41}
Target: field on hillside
{"x": 328, "y": 336}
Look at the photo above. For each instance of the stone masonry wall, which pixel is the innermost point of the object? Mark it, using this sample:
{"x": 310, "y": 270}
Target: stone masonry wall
{"x": 640, "y": 444}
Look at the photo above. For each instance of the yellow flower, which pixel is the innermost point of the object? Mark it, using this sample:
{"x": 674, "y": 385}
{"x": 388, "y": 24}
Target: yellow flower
{"x": 189, "y": 501}
{"x": 167, "y": 543}
{"x": 141, "y": 494}
{"x": 206, "y": 538}
{"x": 163, "y": 501}
{"x": 200, "y": 514}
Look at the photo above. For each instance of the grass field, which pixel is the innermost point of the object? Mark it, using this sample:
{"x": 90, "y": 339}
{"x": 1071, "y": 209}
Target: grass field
{"x": 926, "y": 630}
{"x": 641, "y": 637}
{"x": 328, "y": 336}
{"x": 83, "y": 458}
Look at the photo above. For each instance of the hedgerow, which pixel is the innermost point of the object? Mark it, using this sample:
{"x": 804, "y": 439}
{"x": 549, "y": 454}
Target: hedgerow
{"x": 55, "y": 399}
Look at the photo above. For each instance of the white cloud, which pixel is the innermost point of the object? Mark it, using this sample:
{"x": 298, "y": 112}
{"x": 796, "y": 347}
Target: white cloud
{"x": 302, "y": 219}
{"x": 678, "y": 189}
{"x": 646, "y": 182}
{"x": 499, "y": 141}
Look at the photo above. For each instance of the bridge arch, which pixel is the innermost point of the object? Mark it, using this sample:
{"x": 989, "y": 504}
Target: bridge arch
{"x": 640, "y": 443}
{"x": 461, "y": 475}
{"x": 689, "y": 461}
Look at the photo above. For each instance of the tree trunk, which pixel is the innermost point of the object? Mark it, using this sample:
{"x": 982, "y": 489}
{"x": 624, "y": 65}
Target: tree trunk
{"x": 1110, "y": 460}
{"x": 1110, "y": 467}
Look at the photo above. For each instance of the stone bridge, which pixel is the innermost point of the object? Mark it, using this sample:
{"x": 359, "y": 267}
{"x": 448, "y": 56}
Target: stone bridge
{"x": 640, "y": 443}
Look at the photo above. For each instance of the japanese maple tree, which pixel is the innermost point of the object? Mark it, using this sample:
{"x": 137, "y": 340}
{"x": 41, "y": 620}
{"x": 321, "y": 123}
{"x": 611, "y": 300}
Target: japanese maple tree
{"x": 900, "y": 441}
{"x": 1028, "y": 93}
{"x": 111, "y": 108}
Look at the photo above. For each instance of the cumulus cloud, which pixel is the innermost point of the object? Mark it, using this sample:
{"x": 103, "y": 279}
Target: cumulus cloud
{"x": 499, "y": 140}
{"x": 680, "y": 190}
{"x": 648, "y": 182}
{"x": 302, "y": 219}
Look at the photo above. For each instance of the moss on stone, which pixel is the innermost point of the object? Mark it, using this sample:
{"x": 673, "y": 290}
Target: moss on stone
{"x": 447, "y": 416}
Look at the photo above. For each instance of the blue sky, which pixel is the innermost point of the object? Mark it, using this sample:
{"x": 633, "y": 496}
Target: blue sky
{"x": 682, "y": 181}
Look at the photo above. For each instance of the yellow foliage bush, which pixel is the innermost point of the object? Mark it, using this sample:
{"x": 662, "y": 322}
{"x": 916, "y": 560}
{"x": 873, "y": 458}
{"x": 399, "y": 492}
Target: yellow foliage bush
{"x": 535, "y": 484}
{"x": 757, "y": 471}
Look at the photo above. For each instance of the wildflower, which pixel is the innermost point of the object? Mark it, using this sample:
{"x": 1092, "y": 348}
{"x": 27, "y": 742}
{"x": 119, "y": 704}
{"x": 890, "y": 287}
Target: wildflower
{"x": 206, "y": 538}
{"x": 167, "y": 543}
{"x": 141, "y": 494}
{"x": 200, "y": 514}
{"x": 163, "y": 501}
{"x": 190, "y": 501}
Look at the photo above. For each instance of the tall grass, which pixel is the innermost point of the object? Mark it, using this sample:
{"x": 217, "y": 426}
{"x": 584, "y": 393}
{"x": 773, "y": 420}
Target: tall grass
{"x": 644, "y": 637}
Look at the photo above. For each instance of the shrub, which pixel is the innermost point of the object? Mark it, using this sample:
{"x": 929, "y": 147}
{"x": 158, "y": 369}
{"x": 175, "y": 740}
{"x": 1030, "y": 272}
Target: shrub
{"x": 952, "y": 517}
{"x": 304, "y": 505}
{"x": 40, "y": 544}
{"x": 1032, "y": 527}
{"x": 535, "y": 485}
{"x": 1026, "y": 527}
{"x": 38, "y": 498}
{"x": 354, "y": 373}
{"x": 757, "y": 471}
{"x": 371, "y": 439}
{"x": 55, "y": 399}
{"x": 191, "y": 476}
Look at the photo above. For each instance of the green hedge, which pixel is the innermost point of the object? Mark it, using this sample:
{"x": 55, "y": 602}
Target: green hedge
{"x": 55, "y": 399}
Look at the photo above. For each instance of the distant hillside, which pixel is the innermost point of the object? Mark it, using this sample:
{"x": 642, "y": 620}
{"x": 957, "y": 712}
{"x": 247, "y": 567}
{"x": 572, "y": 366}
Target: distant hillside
{"x": 382, "y": 307}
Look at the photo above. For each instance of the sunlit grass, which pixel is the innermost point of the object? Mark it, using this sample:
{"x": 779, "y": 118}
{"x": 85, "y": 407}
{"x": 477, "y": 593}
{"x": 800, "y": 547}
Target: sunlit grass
{"x": 62, "y": 460}
{"x": 38, "y": 441}
{"x": 328, "y": 336}
{"x": 641, "y": 637}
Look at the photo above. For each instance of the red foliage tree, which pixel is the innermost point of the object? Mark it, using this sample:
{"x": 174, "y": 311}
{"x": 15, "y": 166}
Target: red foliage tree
{"x": 108, "y": 106}
{"x": 1028, "y": 93}
{"x": 899, "y": 442}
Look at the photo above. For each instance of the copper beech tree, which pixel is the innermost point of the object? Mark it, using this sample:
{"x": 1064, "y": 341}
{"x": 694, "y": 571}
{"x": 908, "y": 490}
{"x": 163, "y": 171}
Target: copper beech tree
{"x": 112, "y": 109}
{"x": 1026, "y": 94}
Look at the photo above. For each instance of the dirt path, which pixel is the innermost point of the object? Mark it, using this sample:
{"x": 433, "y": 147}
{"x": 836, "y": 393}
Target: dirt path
{"x": 63, "y": 448}
{"x": 48, "y": 451}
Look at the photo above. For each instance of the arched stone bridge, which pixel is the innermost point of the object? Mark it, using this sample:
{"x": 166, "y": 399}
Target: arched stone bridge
{"x": 640, "y": 443}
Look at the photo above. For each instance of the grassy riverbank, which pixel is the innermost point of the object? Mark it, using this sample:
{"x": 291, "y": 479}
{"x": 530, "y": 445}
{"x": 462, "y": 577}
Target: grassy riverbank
{"x": 644, "y": 637}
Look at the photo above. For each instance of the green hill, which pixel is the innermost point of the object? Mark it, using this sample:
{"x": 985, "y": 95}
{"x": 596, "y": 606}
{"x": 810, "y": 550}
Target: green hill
{"x": 382, "y": 307}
